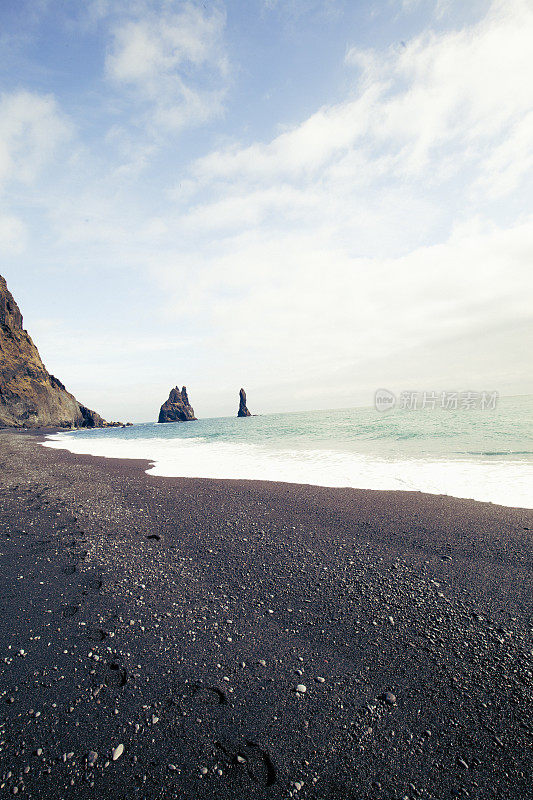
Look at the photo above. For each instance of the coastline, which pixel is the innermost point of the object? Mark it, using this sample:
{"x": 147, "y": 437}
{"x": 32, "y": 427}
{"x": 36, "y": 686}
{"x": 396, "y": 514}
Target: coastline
{"x": 203, "y": 454}
{"x": 214, "y": 574}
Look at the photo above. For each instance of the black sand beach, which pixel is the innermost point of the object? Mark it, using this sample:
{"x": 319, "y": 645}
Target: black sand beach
{"x": 176, "y": 617}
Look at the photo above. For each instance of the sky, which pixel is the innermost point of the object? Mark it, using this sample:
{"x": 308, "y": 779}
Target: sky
{"x": 312, "y": 199}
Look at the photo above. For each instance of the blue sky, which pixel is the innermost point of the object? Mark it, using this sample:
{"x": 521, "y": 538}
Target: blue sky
{"x": 309, "y": 198}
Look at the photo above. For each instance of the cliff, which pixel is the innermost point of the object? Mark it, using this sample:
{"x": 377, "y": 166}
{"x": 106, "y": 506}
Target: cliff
{"x": 243, "y": 411}
{"x": 177, "y": 408}
{"x": 29, "y": 396}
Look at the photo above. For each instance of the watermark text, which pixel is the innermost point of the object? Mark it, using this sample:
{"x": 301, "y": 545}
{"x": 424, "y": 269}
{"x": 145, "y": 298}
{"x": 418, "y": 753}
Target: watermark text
{"x": 384, "y": 400}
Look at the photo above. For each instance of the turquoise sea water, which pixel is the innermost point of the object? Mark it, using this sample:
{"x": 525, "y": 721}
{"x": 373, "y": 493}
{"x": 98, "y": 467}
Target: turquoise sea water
{"x": 483, "y": 454}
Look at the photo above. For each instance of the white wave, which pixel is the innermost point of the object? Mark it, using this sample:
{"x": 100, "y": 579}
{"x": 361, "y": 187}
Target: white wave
{"x": 508, "y": 483}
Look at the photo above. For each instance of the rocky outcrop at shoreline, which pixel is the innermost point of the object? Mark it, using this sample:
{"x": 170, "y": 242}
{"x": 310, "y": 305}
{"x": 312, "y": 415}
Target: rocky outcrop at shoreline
{"x": 177, "y": 408}
{"x": 29, "y": 396}
{"x": 243, "y": 410}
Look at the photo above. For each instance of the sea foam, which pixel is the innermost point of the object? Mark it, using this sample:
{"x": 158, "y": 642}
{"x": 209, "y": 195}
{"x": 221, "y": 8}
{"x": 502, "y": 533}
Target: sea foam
{"x": 501, "y": 481}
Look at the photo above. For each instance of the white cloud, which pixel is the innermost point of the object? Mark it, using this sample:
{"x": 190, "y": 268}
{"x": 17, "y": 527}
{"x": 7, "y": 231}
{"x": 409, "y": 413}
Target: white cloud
{"x": 450, "y": 97}
{"x": 12, "y": 234}
{"x": 31, "y": 129}
{"x": 307, "y": 310}
{"x": 172, "y": 60}
{"x": 325, "y": 236}
{"x": 366, "y": 235}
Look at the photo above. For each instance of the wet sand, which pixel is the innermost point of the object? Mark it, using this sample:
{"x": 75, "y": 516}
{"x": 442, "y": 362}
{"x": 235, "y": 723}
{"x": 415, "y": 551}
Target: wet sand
{"x": 177, "y": 617}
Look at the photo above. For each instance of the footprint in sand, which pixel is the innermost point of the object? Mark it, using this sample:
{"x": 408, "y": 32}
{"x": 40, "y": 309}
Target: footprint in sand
{"x": 69, "y": 610}
{"x": 255, "y": 760}
{"x": 96, "y": 635}
{"x": 209, "y": 695}
{"x": 118, "y": 676}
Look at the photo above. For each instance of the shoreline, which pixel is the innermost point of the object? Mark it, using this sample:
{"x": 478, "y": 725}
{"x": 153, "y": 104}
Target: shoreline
{"x": 154, "y": 591}
{"x": 156, "y": 469}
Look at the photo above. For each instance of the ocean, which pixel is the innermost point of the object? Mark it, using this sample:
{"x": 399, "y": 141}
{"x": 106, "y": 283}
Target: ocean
{"x": 473, "y": 453}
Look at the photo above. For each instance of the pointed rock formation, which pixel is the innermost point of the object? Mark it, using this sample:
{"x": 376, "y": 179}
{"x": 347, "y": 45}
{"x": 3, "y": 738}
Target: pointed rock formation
{"x": 243, "y": 411}
{"x": 177, "y": 408}
{"x": 29, "y": 396}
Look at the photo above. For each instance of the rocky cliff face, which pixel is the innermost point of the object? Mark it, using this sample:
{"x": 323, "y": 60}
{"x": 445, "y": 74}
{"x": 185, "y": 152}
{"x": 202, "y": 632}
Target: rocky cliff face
{"x": 177, "y": 408}
{"x": 29, "y": 396}
{"x": 243, "y": 411}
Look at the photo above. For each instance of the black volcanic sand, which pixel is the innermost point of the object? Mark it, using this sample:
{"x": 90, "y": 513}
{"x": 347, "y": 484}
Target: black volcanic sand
{"x": 177, "y": 617}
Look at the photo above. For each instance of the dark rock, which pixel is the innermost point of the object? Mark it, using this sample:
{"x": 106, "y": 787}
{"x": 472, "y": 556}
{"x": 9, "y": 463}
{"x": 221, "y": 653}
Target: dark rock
{"x": 177, "y": 408}
{"x": 243, "y": 411}
{"x": 29, "y": 396}
{"x": 389, "y": 698}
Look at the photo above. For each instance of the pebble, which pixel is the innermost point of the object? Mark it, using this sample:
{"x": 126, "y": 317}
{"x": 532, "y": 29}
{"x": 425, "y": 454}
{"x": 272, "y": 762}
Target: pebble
{"x": 203, "y": 771}
{"x": 92, "y": 758}
{"x": 389, "y": 698}
{"x": 301, "y": 689}
{"x": 117, "y": 752}
{"x": 320, "y": 679}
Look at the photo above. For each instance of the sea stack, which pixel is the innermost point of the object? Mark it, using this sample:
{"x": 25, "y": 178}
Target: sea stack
{"x": 177, "y": 408}
{"x": 243, "y": 411}
{"x": 29, "y": 396}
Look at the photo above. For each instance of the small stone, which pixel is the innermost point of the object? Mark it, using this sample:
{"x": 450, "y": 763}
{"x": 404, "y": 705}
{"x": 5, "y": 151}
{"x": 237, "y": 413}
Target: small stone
{"x": 203, "y": 771}
{"x": 92, "y": 758}
{"x": 117, "y": 752}
{"x": 462, "y": 763}
{"x": 389, "y": 698}
{"x": 172, "y": 767}
{"x": 301, "y": 689}
{"x": 320, "y": 679}
{"x": 241, "y": 760}
{"x": 155, "y": 719}
{"x": 297, "y": 785}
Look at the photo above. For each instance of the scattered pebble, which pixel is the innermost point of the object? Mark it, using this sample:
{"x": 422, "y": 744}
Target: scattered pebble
{"x": 117, "y": 752}
{"x": 301, "y": 689}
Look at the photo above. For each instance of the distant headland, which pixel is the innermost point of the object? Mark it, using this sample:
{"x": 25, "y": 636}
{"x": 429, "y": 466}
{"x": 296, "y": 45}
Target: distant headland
{"x": 29, "y": 396}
